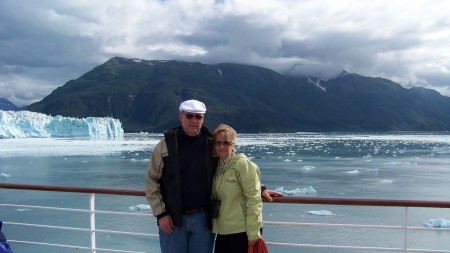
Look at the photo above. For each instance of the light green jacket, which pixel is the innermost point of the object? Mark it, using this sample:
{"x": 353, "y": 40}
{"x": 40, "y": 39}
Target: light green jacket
{"x": 238, "y": 188}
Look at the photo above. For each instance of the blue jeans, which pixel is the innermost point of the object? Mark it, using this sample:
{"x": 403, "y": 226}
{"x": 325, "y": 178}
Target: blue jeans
{"x": 193, "y": 237}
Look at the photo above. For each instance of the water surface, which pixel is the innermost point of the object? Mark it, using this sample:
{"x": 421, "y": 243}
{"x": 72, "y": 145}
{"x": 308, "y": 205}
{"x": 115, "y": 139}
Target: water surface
{"x": 349, "y": 165}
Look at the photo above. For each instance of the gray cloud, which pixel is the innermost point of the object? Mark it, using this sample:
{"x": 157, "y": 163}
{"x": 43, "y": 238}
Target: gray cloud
{"x": 46, "y": 43}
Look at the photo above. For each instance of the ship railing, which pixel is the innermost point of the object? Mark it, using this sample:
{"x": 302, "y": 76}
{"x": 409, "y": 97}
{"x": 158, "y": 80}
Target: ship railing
{"x": 405, "y": 228}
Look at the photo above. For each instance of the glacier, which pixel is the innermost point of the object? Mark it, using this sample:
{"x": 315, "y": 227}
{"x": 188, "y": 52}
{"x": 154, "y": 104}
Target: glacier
{"x": 26, "y": 124}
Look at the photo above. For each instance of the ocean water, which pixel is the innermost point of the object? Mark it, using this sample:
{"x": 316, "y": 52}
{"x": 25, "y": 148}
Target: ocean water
{"x": 404, "y": 165}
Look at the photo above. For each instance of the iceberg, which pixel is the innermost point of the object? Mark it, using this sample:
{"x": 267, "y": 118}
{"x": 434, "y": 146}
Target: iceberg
{"x": 26, "y": 124}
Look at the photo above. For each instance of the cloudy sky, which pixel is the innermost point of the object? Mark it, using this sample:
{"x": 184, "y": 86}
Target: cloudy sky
{"x": 45, "y": 43}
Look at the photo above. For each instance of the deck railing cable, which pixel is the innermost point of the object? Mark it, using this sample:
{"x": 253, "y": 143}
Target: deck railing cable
{"x": 406, "y": 204}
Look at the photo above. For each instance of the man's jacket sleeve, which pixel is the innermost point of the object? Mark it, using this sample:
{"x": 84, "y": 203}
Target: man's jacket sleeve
{"x": 154, "y": 173}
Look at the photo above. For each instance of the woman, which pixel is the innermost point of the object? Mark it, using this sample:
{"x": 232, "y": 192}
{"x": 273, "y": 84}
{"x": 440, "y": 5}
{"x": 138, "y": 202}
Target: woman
{"x": 236, "y": 194}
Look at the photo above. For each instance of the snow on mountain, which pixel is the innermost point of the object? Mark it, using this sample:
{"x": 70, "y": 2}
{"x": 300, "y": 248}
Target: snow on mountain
{"x": 317, "y": 83}
{"x": 25, "y": 124}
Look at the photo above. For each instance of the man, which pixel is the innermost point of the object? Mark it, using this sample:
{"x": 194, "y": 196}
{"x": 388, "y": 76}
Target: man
{"x": 179, "y": 180}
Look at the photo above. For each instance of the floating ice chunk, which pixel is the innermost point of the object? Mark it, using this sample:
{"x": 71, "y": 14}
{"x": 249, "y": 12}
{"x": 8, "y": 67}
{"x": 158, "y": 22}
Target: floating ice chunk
{"x": 4, "y": 175}
{"x": 259, "y": 157}
{"x": 308, "y": 167}
{"x": 438, "y": 223}
{"x": 139, "y": 160}
{"x": 297, "y": 191}
{"x": 321, "y": 212}
{"x": 140, "y": 207}
{"x": 392, "y": 163}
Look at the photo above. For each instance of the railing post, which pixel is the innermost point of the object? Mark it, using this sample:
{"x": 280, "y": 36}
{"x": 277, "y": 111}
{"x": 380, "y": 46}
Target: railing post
{"x": 405, "y": 233}
{"x": 92, "y": 220}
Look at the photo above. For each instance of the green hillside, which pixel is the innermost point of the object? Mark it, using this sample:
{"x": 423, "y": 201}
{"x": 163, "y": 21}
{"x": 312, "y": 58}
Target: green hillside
{"x": 145, "y": 96}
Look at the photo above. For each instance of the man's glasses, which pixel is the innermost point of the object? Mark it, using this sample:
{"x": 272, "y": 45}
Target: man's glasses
{"x": 190, "y": 116}
{"x": 220, "y": 143}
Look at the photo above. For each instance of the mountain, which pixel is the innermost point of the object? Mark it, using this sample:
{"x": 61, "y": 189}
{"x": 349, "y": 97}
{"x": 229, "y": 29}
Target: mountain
{"x": 145, "y": 96}
{"x": 6, "y": 105}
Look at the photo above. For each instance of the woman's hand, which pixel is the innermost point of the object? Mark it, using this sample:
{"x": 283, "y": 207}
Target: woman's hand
{"x": 253, "y": 242}
{"x": 268, "y": 194}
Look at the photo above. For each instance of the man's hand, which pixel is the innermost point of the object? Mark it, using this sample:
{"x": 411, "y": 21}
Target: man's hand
{"x": 165, "y": 224}
{"x": 268, "y": 194}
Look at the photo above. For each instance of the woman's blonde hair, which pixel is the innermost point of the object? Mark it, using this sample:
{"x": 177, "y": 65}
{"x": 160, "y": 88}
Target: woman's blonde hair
{"x": 227, "y": 132}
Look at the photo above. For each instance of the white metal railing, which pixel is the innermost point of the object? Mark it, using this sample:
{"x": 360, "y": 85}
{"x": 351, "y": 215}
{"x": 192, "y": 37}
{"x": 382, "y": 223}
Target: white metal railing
{"x": 92, "y": 230}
